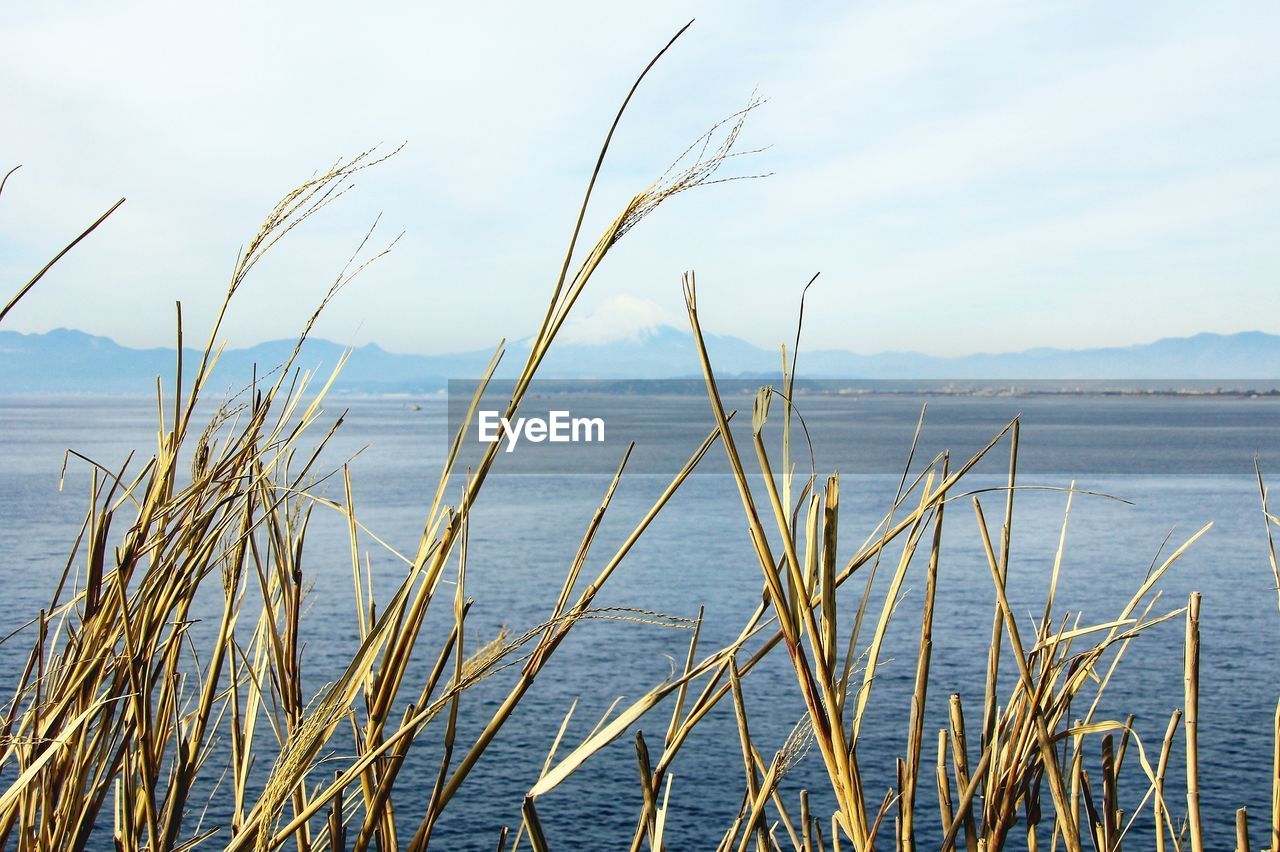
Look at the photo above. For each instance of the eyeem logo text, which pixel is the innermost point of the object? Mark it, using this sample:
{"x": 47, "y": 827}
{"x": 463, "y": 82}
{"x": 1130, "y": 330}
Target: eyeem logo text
{"x": 559, "y": 427}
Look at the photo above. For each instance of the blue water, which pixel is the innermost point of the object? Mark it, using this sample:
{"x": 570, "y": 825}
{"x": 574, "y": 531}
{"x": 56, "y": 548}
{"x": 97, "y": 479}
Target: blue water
{"x": 1180, "y": 462}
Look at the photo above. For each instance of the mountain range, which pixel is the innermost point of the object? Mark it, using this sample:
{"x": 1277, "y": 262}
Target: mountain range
{"x": 69, "y": 361}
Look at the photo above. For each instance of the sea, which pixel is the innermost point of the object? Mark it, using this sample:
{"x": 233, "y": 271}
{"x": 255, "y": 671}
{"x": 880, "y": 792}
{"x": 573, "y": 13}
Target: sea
{"x": 1149, "y": 471}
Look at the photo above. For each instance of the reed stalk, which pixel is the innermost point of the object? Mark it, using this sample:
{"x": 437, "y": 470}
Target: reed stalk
{"x": 1191, "y": 721}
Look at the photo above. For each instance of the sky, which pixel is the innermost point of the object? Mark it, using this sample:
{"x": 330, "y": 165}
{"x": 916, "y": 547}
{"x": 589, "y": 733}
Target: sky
{"x": 966, "y": 176}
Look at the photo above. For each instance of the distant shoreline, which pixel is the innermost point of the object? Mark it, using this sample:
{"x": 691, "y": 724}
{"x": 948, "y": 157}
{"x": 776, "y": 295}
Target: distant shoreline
{"x": 743, "y": 388}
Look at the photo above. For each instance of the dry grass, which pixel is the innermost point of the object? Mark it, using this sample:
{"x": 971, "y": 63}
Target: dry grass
{"x": 118, "y": 714}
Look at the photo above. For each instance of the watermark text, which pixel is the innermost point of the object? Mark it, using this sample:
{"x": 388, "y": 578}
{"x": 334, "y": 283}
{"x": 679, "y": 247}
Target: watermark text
{"x": 558, "y": 427}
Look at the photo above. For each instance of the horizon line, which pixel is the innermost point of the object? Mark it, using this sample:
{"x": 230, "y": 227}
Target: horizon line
{"x": 642, "y": 333}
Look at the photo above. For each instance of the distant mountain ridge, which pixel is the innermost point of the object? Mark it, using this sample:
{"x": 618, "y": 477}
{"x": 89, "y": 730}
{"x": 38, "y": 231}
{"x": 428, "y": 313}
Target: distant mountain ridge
{"x": 69, "y": 361}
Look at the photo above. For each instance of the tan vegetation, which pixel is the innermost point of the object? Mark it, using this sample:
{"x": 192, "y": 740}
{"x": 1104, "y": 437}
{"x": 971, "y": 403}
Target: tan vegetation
{"x": 118, "y": 713}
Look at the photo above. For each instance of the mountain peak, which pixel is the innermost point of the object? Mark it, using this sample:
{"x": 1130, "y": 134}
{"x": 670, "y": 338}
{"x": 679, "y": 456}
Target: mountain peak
{"x": 623, "y": 318}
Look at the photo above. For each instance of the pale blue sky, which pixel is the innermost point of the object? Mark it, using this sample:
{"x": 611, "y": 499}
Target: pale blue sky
{"x": 966, "y": 175}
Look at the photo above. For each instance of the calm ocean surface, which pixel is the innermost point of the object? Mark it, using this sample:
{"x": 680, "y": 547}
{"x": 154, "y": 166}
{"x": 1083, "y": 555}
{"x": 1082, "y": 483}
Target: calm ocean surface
{"x": 1180, "y": 462}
